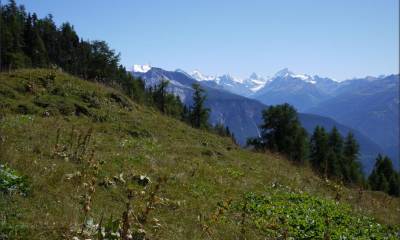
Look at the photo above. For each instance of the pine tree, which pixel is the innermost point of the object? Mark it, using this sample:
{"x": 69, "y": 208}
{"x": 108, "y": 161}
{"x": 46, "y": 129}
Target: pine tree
{"x": 384, "y": 177}
{"x": 39, "y": 56}
{"x": 282, "y": 132}
{"x": 199, "y": 114}
{"x": 68, "y": 48}
{"x": 300, "y": 146}
{"x": 50, "y": 37}
{"x": 160, "y": 93}
{"x": 185, "y": 115}
{"x": 335, "y": 156}
{"x": 12, "y": 36}
{"x": 352, "y": 168}
{"x": 319, "y": 149}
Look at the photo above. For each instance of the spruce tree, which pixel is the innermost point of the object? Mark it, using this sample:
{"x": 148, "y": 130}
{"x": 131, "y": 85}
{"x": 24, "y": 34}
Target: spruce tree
{"x": 319, "y": 149}
{"x": 160, "y": 94}
{"x": 335, "y": 156}
{"x": 282, "y": 132}
{"x": 199, "y": 113}
{"x": 384, "y": 177}
{"x": 300, "y": 150}
{"x": 352, "y": 172}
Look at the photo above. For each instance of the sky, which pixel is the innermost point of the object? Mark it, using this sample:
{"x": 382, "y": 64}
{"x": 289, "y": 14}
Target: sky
{"x": 341, "y": 39}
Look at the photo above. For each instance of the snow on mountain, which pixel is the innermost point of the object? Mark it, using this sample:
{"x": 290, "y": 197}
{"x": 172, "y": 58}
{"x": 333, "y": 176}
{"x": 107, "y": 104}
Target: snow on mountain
{"x": 201, "y": 77}
{"x": 286, "y": 73}
{"x": 141, "y": 68}
{"x": 242, "y": 86}
{"x": 255, "y": 82}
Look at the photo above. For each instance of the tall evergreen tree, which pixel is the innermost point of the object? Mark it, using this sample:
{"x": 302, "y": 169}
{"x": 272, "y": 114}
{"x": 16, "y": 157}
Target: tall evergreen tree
{"x": 335, "y": 165}
{"x": 50, "y": 37}
{"x": 282, "y": 132}
{"x": 185, "y": 115}
{"x": 300, "y": 151}
{"x": 39, "y": 56}
{"x": 352, "y": 168}
{"x": 319, "y": 149}
{"x": 173, "y": 106}
{"x": 160, "y": 94}
{"x": 68, "y": 46}
{"x": 12, "y": 36}
{"x": 384, "y": 177}
{"x": 199, "y": 113}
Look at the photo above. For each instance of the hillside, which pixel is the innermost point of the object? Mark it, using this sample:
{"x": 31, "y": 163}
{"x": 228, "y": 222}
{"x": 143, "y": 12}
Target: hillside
{"x": 368, "y": 105}
{"x": 243, "y": 115}
{"x": 71, "y": 137}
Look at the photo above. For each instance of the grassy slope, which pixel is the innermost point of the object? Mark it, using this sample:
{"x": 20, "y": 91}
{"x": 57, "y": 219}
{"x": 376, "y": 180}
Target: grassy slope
{"x": 202, "y": 169}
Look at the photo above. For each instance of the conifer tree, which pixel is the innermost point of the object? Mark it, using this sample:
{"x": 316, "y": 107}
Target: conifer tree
{"x": 352, "y": 168}
{"x": 160, "y": 94}
{"x": 185, "y": 115}
{"x": 335, "y": 166}
{"x": 319, "y": 149}
{"x": 300, "y": 150}
{"x": 199, "y": 113}
{"x": 384, "y": 177}
{"x": 282, "y": 132}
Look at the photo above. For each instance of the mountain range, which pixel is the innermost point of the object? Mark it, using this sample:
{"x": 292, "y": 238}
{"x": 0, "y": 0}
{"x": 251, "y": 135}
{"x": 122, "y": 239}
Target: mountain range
{"x": 233, "y": 102}
{"x": 369, "y": 104}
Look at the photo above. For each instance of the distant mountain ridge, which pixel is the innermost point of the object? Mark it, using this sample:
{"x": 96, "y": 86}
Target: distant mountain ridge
{"x": 244, "y": 87}
{"x": 369, "y": 104}
{"x": 243, "y": 115}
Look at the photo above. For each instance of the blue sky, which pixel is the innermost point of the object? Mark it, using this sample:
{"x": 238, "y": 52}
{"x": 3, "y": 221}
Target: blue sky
{"x": 340, "y": 39}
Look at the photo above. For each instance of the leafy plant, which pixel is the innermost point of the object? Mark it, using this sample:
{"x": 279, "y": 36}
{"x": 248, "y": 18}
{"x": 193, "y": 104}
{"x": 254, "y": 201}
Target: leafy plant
{"x": 11, "y": 182}
{"x": 292, "y": 215}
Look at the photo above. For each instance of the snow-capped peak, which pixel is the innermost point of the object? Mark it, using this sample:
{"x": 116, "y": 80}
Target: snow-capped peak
{"x": 141, "y": 68}
{"x": 284, "y": 73}
{"x": 254, "y": 76}
{"x": 230, "y": 78}
{"x": 196, "y": 74}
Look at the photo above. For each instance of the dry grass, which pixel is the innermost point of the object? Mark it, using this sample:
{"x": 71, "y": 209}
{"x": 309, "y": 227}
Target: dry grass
{"x": 201, "y": 169}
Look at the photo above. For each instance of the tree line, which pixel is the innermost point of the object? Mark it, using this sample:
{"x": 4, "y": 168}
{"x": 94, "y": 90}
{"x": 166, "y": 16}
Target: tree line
{"x": 328, "y": 153}
{"x": 31, "y": 42}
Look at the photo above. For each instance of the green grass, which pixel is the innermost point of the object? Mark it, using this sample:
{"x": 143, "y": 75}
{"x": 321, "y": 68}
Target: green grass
{"x": 280, "y": 212}
{"x": 43, "y": 113}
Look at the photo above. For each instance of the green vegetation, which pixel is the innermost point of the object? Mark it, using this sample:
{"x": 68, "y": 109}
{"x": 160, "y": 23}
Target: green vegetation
{"x": 11, "y": 182}
{"x": 109, "y": 159}
{"x": 282, "y": 132}
{"x": 198, "y": 113}
{"x": 327, "y": 153}
{"x": 335, "y": 158}
{"x": 223, "y": 131}
{"x": 282, "y": 213}
{"x": 384, "y": 177}
{"x": 28, "y": 41}
{"x": 86, "y": 150}
{"x": 165, "y": 102}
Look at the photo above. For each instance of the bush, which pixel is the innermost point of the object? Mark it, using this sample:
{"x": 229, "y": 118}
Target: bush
{"x": 12, "y": 183}
{"x": 282, "y": 212}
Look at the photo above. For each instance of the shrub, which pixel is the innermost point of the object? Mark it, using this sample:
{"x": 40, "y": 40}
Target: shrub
{"x": 11, "y": 182}
{"x": 284, "y": 213}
